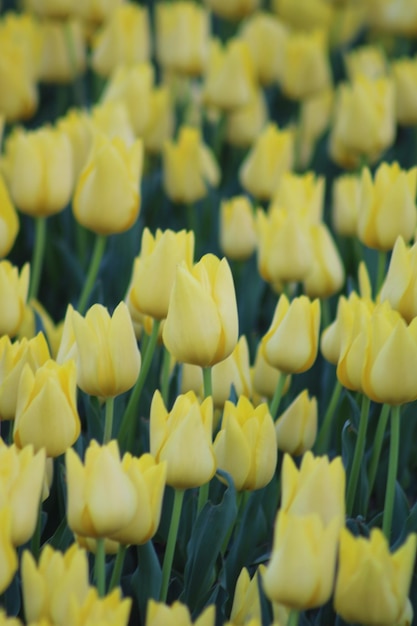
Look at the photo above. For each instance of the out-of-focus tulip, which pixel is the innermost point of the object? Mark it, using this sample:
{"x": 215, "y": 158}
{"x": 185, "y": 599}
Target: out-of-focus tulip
{"x": 90, "y": 544}
{"x": 246, "y": 600}
{"x": 9, "y": 621}
{"x": 36, "y": 317}
{"x": 108, "y": 357}
{"x": 302, "y": 193}
{"x": 327, "y": 273}
{"x": 331, "y": 338}
{"x": 307, "y": 539}
{"x": 124, "y": 39}
{"x": 159, "y": 614}
{"x": 372, "y": 583}
{"x": 364, "y": 121}
{"x": 13, "y": 291}
{"x": 49, "y": 586}
{"x": 232, "y": 9}
{"x": 348, "y": 21}
{"x": 155, "y": 268}
{"x": 46, "y": 409}
{"x": 306, "y": 65}
{"x": 98, "y": 11}
{"x": 189, "y": 167}
{"x": 245, "y": 446}
{"x": 9, "y": 221}
{"x": 132, "y": 85}
{"x": 18, "y": 92}
{"x": 266, "y": 36}
{"x": 314, "y": 119}
{"x": 63, "y": 52}
{"x": 77, "y": 126}
{"x": 107, "y": 195}
{"x": 182, "y": 37}
{"x": 183, "y": 438}
{"x": 244, "y": 124}
{"x": 304, "y": 14}
{"x": 148, "y": 478}
{"x": 378, "y": 225}
{"x": 296, "y": 428}
{"x": 21, "y": 481}
{"x": 394, "y": 17}
{"x": 368, "y": 60}
{"x": 265, "y": 377}
{"x": 161, "y": 123}
{"x": 112, "y": 119}
{"x": 52, "y": 8}
{"x": 291, "y": 343}
{"x": 271, "y": 156}
{"x": 101, "y": 498}
{"x": 202, "y": 323}
{"x": 404, "y": 72}
{"x": 230, "y": 76}
{"x": 400, "y": 285}
{"x": 8, "y": 561}
{"x": 317, "y": 486}
{"x": 346, "y": 196}
{"x": 25, "y": 31}
{"x": 46, "y": 154}
{"x": 107, "y": 611}
{"x": 237, "y": 228}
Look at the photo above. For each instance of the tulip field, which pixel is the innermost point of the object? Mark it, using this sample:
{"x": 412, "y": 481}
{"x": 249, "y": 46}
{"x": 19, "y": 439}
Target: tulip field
{"x": 208, "y": 313}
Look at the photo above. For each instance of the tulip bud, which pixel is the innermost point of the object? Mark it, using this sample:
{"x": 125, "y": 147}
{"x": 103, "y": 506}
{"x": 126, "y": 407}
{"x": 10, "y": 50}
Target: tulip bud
{"x": 303, "y": 193}
{"x": 297, "y": 319}
{"x": 327, "y": 273}
{"x": 13, "y": 294}
{"x": 243, "y": 125}
{"x": 346, "y": 197}
{"x": 57, "y": 65}
{"x": 400, "y": 287}
{"x": 106, "y": 197}
{"x": 304, "y": 14}
{"x": 101, "y": 497}
{"x": 183, "y": 438}
{"x": 237, "y": 228}
{"x": 296, "y": 428}
{"x": 202, "y": 322}
{"x": 158, "y": 613}
{"x": 110, "y": 609}
{"x": 18, "y": 90}
{"x": 367, "y": 60}
{"x": 246, "y": 600}
{"x": 8, "y": 562}
{"x": 266, "y": 36}
{"x": 9, "y": 221}
{"x": 112, "y": 119}
{"x": 372, "y": 583}
{"x": 97, "y": 11}
{"x": 108, "y": 358}
{"x": 161, "y": 123}
{"x": 245, "y": 446}
{"x": 404, "y": 71}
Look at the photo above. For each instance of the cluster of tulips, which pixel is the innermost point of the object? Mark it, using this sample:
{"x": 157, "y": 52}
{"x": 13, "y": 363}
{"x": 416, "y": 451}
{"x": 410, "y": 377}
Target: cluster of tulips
{"x": 208, "y": 335}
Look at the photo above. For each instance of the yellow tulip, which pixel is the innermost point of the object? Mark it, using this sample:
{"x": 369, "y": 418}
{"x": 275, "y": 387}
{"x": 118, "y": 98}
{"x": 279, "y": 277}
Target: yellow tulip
{"x": 314, "y": 119}
{"x": 333, "y": 335}
{"x": 148, "y": 478}
{"x": 232, "y": 9}
{"x": 9, "y": 621}
{"x": 158, "y": 614}
{"x": 161, "y": 123}
{"x": 46, "y": 153}
{"x": 400, "y": 287}
{"x": 291, "y": 343}
{"x": 52, "y": 8}
{"x": 8, "y": 556}
{"x": 107, "y": 611}
{"x": 404, "y": 71}
{"x": 237, "y": 228}
{"x": 35, "y": 315}
{"x": 326, "y": 275}
{"x": 22, "y": 474}
{"x": 304, "y": 14}
{"x": 372, "y": 582}
{"x": 307, "y": 540}
{"x": 368, "y": 60}
{"x": 346, "y": 197}
{"x": 189, "y": 167}
{"x": 245, "y": 446}
{"x": 46, "y": 410}
{"x": 202, "y": 323}
{"x": 9, "y": 221}
{"x": 246, "y": 600}
{"x": 124, "y": 39}
{"x": 317, "y": 486}
{"x": 108, "y": 357}
{"x": 49, "y": 585}
{"x": 378, "y": 225}
{"x": 155, "y": 268}
{"x": 244, "y": 124}
{"x": 303, "y": 193}
{"x": 25, "y": 31}
{"x": 106, "y": 198}
{"x": 296, "y": 428}
{"x": 265, "y": 377}
{"x": 57, "y": 65}
{"x": 101, "y": 497}
{"x": 112, "y": 119}
{"x": 182, "y": 438}
{"x": 271, "y": 155}
{"x": 13, "y": 293}
{"x": 18, "y": 90}
{"x": 266, "y": 36}
{"x": 76, "y": 124}
{"x": 97, "y": 11}
{"x": 392, "y": 17}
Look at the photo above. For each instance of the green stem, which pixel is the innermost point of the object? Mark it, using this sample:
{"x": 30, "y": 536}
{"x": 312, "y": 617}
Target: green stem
{"x": 203, "y": 491}
{"x": 358, "y": 455}
{"x": 127, "y": 426}
{"x": 98, "y": 252}
{"x": 170, "y": 547}
{"x": 100, "y": 567}
{"x": 118, "y": 567}
{"x": 293, "y": 618}
{"x": 376, "y": 449}
{"x": 380, "y": 275}
{"x": 35, "y": 543}
{"x": 166, "y": 362}
{"x": 322, "y": 442}
{"x": 275, "y": 402}
{"x": 392, "y": 471}
{"x": 208, "y": 388}
{"x": 38, "y": 255}
{"x": 108, "y": 420}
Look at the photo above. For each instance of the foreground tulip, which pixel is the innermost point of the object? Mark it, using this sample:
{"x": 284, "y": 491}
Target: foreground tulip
{"x": 108, "y": 358}
{"x": 296, "y": 428}
{"x": 101, "y": 498}
{"x": 291, "y": 343}
{"x": 245, "y": 446}
{"x": 22, "y": 475}
{"x": 8, "y": 560}
{"x": 182, "y": 438}
{"x": 372, "y": 583}
{"x": 9, "y": 222}
{"x": 107, "y": 611}
{"x": 246, "y": 600}
{"x": 155, "y": 268}
{"x": 202, "y": 324}
{"x": 307, "y": 539}
{"x": 51, "y": 585}
{"x": 106, "y": 197}
{"x": 46, "y": 411}
{"x": 159, "y": 614}
{"x": 13, "y": 292}
{"x": 400, "y": 287}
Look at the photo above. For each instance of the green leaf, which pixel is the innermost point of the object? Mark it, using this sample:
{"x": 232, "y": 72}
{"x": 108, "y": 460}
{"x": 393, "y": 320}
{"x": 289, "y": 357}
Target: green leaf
{"x": 210, "y": 530}
{"x": 146, "y": 580}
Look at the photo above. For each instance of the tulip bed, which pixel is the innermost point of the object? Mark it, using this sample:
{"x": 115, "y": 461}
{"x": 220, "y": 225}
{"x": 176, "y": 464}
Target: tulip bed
{"x": 208, "y": 320}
